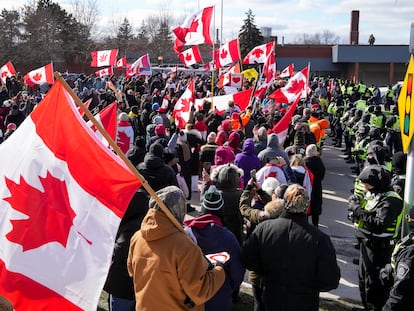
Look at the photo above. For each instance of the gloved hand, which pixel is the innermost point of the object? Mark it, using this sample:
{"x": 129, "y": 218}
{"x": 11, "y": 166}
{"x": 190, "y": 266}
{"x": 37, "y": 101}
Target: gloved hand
{"x": 353, "y": 203}
{"x": 386, "y": 276}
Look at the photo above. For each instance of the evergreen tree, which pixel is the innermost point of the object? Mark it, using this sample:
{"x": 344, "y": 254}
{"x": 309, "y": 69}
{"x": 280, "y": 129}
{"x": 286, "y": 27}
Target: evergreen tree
{"x": 249, "y": 35}
{"x": 10, "y": 26}
{"x": 124, "y": 36}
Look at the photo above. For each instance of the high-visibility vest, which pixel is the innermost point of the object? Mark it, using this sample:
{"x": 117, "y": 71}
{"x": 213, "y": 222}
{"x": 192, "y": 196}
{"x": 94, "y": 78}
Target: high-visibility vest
{"x": 371, "y": 202}
{"x": 361, "y": 104}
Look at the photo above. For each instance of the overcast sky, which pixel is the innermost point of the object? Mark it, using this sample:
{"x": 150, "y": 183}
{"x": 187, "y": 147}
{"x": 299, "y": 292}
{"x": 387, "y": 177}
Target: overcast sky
{"x": 388, "y": 20}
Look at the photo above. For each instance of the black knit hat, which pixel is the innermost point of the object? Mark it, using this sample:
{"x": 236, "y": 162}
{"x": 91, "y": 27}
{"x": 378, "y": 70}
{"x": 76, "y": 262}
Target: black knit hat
{"x": 212, "y": 201}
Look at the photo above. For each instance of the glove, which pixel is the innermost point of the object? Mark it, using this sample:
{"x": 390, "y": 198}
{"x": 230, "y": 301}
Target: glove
{"x": 386, "y": 276}
{"x": 354, "y": 203}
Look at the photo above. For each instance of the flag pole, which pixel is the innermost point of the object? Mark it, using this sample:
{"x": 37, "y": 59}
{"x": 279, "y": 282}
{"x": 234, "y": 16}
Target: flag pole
{"x": 119, "y": 152}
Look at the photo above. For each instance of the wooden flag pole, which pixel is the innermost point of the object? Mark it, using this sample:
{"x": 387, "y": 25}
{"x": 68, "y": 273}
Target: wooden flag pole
{"x": 119, "y": 152}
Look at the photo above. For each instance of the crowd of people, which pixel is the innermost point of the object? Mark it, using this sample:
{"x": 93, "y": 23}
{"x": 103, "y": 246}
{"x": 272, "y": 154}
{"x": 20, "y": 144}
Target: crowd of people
{"x": 261, "y": 193}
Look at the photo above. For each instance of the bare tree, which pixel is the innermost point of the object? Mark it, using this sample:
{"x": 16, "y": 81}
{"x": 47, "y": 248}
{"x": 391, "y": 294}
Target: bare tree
{"x": 326, "y": 37}
{"x": 86, "y": 12}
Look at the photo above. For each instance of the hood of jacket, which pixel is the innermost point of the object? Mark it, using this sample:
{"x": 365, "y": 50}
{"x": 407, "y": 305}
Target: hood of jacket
{"x": 248, "y": 146}
{"x": 156, "y": 226}
{"x": 273, "y": 141}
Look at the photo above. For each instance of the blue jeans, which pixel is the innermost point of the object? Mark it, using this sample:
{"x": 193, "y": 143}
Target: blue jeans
{"x": 120, "y": 304}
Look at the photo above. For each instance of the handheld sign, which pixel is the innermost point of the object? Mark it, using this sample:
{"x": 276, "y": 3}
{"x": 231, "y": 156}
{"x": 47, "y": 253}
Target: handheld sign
{"x": 406, "y": 106}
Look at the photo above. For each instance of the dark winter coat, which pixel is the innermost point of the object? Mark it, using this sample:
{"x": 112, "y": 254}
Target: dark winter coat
{"x": 272, "y": 150}
{"x": 156, "y": 172}
{"x": 316, "y": 166}
{"x": 296, "y": 260}
{"x": 118, "y": 282}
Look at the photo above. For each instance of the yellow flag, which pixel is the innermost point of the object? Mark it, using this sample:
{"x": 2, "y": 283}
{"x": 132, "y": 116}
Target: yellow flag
{"x": 250, "y": 73}
{"x": 406, "y": 106}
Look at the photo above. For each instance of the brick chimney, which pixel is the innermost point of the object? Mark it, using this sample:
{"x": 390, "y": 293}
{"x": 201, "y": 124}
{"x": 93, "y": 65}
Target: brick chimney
{"x": 354, "y": 35}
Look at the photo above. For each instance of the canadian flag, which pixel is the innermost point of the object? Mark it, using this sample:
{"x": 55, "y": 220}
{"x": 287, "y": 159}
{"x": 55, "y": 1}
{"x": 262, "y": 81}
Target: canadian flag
{"x": 182, "y": 107}
{"x": 121, "y": 62}
{"x": 224, "y": 78}
{"x": 107, "y": 117}
{"x": 104, "y": 58}
{"x": 39, "y": 76}
{"x": 227, "y": 54}
{"x": 140, "y": 63}
{"x": 104, "y": 72}
{"x": 242, "y": 99}
{"x": 269, "y": 67}
{"x": 7, "y": 70}
{"x": 191, "y": 56}
{"x": 61, "y": 192}
{"x": 293, "y": 89}
{"x": 259, "y": 53}
{"x": 194, "y": 30}
{"x": 287, "y": 72}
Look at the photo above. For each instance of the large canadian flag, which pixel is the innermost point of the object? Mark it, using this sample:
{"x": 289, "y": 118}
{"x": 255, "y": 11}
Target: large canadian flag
{"x": 104, "y": 58}
{"x": 182, "y": 107}
{"x": 7, "y": 70}
{"x": 190, "y": 56}
{"x": 227, "y": 54}
{"x": 40, "y": 76}
{"x": 194, "y": 30}
{"x": 242, "y": 99}
{"x": 269, "y": 67}
{"x": 62, "y": 196}
{"x": 294, "y": 88}
{"x": 287, "y": 72}
{"x": 259, "y": 53}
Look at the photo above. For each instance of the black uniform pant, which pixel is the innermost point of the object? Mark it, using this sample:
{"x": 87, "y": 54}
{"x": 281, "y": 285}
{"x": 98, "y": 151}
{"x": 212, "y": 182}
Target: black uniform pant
{"x": 375, "y": 253}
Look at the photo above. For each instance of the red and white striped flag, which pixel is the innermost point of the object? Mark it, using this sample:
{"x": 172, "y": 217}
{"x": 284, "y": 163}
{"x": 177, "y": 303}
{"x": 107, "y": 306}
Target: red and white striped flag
{"x": 190, "y": 56}
{"x": 183, "y": 105}
{"x": 140, "y": 63}
{"x": 121, "y": 62}
{"x": 194, "y": 30}
{"x": 7, "y": 70}
{"x": 293, "y": 89}
{"x": 104, "y": 58}
{"x": 287, "y": 72}
{"x": 40, "y": 76}
{"x": 104, "y": 72}
{"x": 227, "y": 54}
{"x": 54, "y": 213}
{"x": 259, "y": 53}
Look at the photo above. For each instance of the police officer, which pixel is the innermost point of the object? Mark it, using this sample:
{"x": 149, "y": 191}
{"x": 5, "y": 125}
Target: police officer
{"x": 377, "y": 216}
{"x": 402, "y": 272}
{"x": 393, "y": 138}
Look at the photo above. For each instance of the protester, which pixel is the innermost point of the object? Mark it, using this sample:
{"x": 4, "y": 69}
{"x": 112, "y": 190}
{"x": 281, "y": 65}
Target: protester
{"x": 247, "y": 160}
{"x": 210, "y": 234}
{"x": 169, "y": 271}
{"x": 295, "y": 259}
{"x": 5, "y": 305}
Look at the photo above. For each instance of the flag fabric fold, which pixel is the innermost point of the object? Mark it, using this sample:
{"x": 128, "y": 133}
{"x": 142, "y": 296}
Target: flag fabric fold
{"x": 7, "y": 70}
{"x": 269, "y": 67}
{"x": 121, "y": 62}
{"x": 40, "y": 76}
{"x": 287, "y": 72}
{"x": 293, "y": 89}
{"x": 183, "y": 105}
{"x": 259, "y": 53}
{"x": 104, "y": 58}
{"x": 194, "y": 30}
{"x": 141, "y": 63}
{"x": 242, "y": 99}
{"x": 63, "y": 194}
{"x": 190, "y": 56}
{"x": 227, "y": 53}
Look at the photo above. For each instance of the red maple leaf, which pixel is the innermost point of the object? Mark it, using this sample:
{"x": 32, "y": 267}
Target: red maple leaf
{"x": 38, "y": 76}
{"x": 188, "y": 57}
{"x": 102, "y": 58}
{"x": 50, "y": 215}
{"x": 295, "y": 86}
{"x": 4, "y": 74}
{"x": 223, "y": 54}
{"x": 185, "y": 104}
{"x": 122, "y": 141}
{"x": 257, "y": 53}
{"x": 193, "y": 26}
